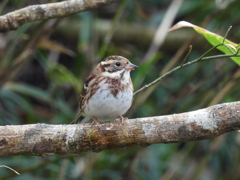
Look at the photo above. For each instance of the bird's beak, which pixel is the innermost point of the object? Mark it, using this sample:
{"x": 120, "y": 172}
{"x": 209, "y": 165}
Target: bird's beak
{"x": 130, "y": 66}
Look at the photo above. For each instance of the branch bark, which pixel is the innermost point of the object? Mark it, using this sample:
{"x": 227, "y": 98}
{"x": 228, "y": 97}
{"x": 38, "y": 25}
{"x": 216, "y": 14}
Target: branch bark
{"x": 14, "y": 20}
{"x": 45, "y": 140}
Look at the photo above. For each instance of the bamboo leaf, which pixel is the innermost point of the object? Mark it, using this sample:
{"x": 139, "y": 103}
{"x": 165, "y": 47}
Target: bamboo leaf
{"x": 214, "y": 39}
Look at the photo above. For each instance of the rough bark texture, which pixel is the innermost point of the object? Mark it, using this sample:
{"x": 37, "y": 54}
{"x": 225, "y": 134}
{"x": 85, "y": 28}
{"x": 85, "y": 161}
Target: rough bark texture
{"x": 14, "y": 20}
{"x": 45, "y": 140}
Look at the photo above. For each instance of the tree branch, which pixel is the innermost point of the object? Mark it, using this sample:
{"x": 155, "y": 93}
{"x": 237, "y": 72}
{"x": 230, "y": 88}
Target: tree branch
{"x": 14, "y": 20}
{"x": 45, "y": 140}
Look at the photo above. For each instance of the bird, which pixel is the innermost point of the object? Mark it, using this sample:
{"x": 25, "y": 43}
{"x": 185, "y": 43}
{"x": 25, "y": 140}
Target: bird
{"x": 107, "y": 92}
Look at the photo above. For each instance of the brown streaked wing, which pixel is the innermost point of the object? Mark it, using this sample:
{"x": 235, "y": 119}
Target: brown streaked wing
{"x": 84, "y": 90}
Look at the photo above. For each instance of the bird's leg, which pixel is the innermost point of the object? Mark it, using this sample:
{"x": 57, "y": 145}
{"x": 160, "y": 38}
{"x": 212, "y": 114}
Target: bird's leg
{"x": 122, "y": 119}
{"x": 95, "y": 121}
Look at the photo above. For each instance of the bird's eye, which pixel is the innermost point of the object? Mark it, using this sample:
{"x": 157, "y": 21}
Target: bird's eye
{"x": 118, "y": 63}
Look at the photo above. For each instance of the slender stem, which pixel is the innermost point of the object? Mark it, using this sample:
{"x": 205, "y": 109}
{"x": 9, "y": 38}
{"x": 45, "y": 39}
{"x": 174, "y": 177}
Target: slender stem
{"x": 201, "y": 58}
{"x": 226, "y": 34}
{"x": 185, "y": 65}
{"x": 10, "y": 169}
{"x": 229, "y": 48}
{"x": 189, "y": 52}
{"x": 237, "y": 51}
{"x": 212, "y": 48}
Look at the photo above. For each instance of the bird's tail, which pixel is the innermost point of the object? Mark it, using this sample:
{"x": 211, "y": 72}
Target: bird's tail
{"x": 79, "y": 119}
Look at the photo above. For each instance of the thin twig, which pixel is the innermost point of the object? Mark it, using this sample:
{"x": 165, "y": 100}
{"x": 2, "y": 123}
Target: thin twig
{"x": 237, "y": 51}
{"x": 189, "y": 52}
{"x": 230, "y": 48}
{"x": 224, "y": 38}
{"x": 10, "y": 169}
{"x": 212, "y": 48}
{"x": 215, "y": 47}
{"x": 201, "y": 58}
{"x": 184, "y": 65}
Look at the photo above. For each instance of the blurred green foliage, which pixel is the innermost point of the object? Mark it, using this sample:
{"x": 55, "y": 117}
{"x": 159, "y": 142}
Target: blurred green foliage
{"x": 41, "y": 78}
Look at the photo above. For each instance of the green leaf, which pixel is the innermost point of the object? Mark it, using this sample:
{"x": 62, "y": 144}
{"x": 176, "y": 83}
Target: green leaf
{"x": 229, "y": 47}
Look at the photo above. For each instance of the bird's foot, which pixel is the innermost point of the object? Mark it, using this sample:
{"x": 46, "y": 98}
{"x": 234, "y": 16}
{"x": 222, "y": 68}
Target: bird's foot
{"x": 96, "y": 122}
{"x": 121, "y": 119}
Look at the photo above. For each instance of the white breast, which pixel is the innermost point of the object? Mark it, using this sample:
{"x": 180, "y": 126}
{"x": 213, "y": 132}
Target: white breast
{"x": 110, "y": 100}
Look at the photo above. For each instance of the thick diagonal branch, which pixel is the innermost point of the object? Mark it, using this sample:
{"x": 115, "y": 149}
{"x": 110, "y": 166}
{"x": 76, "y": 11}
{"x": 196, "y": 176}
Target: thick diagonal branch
{"x": 45, "y": 140}
{"x": 19, "y": 17}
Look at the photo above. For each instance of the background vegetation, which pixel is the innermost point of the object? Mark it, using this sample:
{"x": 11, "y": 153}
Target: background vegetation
{"x": 43, "y": 65}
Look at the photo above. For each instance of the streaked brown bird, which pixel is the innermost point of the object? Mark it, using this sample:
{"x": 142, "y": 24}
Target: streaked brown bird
{"x": 107, "y": 92}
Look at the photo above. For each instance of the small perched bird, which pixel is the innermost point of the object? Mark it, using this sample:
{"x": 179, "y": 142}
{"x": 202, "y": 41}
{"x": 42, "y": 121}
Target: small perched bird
{"x": 107, "y": 92}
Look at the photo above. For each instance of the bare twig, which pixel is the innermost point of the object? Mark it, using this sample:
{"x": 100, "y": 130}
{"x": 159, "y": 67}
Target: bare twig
{"x": 225, "y": 36}
{"x": 31, "y": 167}
{"x": 201, "y": 58}
{"x": 185, "y": 65}
{"x": 189, "y": 52}
{"x": 10, "y": 169}
{"x": 14, "y": 20}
